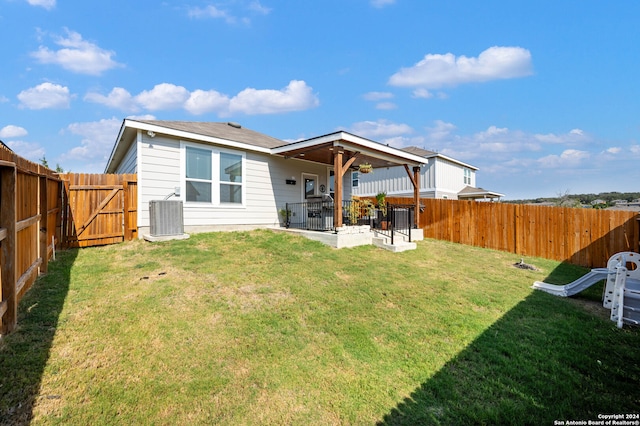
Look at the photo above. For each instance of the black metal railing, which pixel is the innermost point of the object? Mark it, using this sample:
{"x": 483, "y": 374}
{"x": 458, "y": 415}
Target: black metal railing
{"x": 399, "y": 219}
{"x": 318, "y": 216}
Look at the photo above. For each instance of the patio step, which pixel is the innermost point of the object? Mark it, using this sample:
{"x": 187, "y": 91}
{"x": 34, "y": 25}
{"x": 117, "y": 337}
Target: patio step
{"x": 398, "y": 245}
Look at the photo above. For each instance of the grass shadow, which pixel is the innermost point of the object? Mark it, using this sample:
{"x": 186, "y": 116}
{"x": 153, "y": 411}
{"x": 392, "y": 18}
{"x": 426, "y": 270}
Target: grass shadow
{"x": 24, "y": 353}
{"x": 537, "y": 364}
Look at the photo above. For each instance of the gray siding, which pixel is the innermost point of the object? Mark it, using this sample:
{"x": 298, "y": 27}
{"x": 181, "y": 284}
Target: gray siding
{"x": 265, "y": 188}
{"x": 129, "y": 162}
{"x": 395, "y": 181}
{"x": 439, "y": 178}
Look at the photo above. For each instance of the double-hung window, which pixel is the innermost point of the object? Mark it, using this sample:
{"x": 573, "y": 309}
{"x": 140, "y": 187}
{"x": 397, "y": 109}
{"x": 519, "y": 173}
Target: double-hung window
{"x": 467, "y": 176}
{"x": 230, "y": 178}
{"x": 355, "y": 179}
{"x": 198, "y": 176}
{"x": 213, "y": 177}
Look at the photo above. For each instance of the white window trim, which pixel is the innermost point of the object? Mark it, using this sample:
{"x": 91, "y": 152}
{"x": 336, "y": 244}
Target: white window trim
{"x": 215, "y": 177}
{"x": 329, "y": 170}
{"x": 467, "y": 176}
{"x": 352, "y": 185}
{"x": 303, "y": 176}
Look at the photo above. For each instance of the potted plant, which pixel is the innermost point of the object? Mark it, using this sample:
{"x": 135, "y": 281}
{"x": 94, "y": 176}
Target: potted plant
{"x": 365, "y": 168}
{"x": 359, "y": 208}
{"x": 381, "y": 200}
{"x": 285, "y": 215}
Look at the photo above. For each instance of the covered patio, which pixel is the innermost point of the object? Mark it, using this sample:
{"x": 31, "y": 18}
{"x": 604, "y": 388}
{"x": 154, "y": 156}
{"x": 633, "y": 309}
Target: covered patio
{"x": 346, "y": 152}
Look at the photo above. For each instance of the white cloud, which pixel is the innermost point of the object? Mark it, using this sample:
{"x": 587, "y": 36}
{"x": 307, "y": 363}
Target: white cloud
{"x": 4, "y": 99}
{"x": 163, "y": 96}
{"x": 47, "y": 4}
{"x": 380, "y": 129}
{"x": 142, "y": 117}
{"x": 422, "y": 93}
{"x": 436, "y": 70}
{"x": 569, "y": 158}
{"x": 118, "y": 98}
{"x": 377, "y": 96}
{"x": 614, "y": 150}
{"x": 635, "y": 149}
{"x": 30, "y": 150}
{"x": 575, "y": 136}
{"x": 77, "y": 55}
{"x": 230, "y": 17}
{"x": 12, "y": 131}
{"x": 386, "y": 106}
{"x": 45, "y": 96}
{"x": 255, "y": 6}
{"x": 97, "y": 139}
{"x": 203, "y": 101}
{"x": 441, "y": 131}
{"x": 296, "y": 96}
{"x": 382, "y": 3}
{"x": 211, "y": 11}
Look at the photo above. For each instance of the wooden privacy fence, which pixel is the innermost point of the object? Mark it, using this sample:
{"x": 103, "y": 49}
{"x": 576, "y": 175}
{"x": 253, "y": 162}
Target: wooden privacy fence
{"x": 40, "y": 210}
{"x": 99, "y": 209}
{"x": 585, "y": 237}
{"x": 30, "y": 207}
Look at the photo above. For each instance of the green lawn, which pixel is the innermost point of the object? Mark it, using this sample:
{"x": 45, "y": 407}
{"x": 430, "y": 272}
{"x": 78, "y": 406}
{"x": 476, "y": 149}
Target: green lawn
{"x": 267, "y": 328}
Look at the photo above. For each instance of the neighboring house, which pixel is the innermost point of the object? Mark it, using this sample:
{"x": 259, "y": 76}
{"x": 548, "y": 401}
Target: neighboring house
{"x": 626, "y": 205}
{"x": 440, "y": 177}
{"x": 230, "y": 177}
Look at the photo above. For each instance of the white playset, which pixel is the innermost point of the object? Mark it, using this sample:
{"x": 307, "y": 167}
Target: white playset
{"x": 622, "y": 290}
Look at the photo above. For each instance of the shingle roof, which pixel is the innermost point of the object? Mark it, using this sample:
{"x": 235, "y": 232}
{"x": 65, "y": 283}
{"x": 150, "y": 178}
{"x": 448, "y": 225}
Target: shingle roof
{"x": 226, "y": 131}
{"x": 471, "y": 192}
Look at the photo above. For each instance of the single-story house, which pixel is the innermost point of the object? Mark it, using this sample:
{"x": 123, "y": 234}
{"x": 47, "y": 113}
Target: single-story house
{"x": 440, "y": 177}
{"x": 231, "y": 177}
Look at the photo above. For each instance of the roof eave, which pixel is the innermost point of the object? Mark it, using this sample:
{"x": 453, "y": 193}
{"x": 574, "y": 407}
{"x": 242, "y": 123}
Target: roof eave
{"x": 353, "y": 142}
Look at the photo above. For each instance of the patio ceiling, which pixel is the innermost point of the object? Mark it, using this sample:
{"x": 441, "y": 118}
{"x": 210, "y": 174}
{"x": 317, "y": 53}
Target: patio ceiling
{"x": 321, "y": 150}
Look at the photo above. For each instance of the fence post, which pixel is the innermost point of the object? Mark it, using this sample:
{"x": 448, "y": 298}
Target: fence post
{"x": 128, "y": 235}
{"x": 66, "y": 211}
{"x": 8, "y": 194}
{"x": 44, "y": 222}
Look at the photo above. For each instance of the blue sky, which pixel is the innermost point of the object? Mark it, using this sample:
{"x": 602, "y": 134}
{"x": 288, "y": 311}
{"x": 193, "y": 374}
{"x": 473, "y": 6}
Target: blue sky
{"x": 543, "y": 97}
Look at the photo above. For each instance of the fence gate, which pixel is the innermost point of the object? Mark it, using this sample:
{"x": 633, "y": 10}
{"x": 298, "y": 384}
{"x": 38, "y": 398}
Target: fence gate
{"x": 99, "y": 209}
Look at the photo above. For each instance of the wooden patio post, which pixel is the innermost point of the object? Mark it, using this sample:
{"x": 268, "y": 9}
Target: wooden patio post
{"x": 415, "y": 181}
{"x": 338, "y": 151}
{"x": 8, "y": 235}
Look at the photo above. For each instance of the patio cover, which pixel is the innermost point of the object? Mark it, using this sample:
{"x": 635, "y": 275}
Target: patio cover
{"x": 345, "y": 151}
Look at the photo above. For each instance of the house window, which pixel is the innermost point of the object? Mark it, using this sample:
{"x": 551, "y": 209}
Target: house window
{"x": 198, "y": 175}
{"x": 230, "y": 178}
{"x": 309, "y": 187}
{"x": 467, "y": 176}
{"x": 212, "y": 176}
{"x": 355, "y": 179}
{"x": 331, "y": 183}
